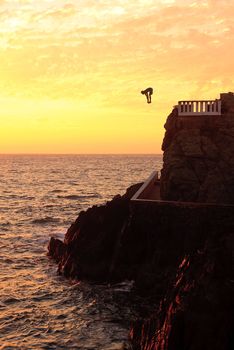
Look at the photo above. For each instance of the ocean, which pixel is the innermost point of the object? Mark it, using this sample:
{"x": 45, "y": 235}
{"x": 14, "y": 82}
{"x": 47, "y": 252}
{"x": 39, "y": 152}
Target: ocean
{"x": 40, "y": 196}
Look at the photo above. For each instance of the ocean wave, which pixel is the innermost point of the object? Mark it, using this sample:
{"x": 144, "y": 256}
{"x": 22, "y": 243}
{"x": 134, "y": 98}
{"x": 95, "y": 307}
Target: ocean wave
{"x": 16, "y": 196}
{"x": 6, "y": 261}
{"x": 3, "y": 224}
{"x": 11, "y": 300}
{"x": 45, "y": 220}
{"x": 78, "y": 197}
{"x": 57, "y": 191}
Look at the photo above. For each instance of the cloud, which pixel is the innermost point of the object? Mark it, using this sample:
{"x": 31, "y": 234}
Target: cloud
{"x": 78, "y": 48}
{"x": 62, "y": 12}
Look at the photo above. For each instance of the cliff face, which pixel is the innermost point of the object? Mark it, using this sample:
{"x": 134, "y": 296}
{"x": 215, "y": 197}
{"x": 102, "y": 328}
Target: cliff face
{"x": 91, "y": 242}
{"x": 198, "y": 162}
{"x": 181, "y": 253}
{"x": 197, "y": 311}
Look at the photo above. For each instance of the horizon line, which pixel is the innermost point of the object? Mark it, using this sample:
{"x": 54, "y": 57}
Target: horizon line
{"x": 76, "y": 154}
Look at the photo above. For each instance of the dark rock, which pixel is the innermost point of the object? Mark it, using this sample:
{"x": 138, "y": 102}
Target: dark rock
{"x": 198, "y": 157}
{"x": 56, "y": 249}
{"x": 180, "y": 253}
{"x": 143, "y": 242}
{"x": 197, "y": 311}
{"x": 90, "y": 243}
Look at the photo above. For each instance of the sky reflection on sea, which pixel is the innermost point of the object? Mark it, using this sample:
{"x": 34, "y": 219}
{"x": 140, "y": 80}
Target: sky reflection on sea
{"x": 40, "y": 196}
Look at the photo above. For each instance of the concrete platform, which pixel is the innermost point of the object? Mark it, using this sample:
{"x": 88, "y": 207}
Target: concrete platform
{"x": 150, "y": 190}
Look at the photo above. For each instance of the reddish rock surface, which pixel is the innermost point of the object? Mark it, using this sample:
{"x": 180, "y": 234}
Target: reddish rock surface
{"x": 197, "y": 311}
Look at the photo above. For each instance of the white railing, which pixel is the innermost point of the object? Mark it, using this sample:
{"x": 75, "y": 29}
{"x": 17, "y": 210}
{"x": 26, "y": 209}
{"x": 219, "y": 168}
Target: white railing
{"x": 147, "y": 187}
{"x": 209, "y": 107}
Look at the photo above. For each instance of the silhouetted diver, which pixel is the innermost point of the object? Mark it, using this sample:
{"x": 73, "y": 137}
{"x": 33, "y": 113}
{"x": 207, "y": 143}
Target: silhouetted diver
{"x": 148, "y": 92}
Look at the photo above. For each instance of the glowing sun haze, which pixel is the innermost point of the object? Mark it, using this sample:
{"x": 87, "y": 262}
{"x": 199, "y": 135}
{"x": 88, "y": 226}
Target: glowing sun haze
{"x": 72, "y": 71}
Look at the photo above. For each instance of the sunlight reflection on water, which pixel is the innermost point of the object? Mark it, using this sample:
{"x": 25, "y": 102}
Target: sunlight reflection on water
{"x": 40, "y": 196}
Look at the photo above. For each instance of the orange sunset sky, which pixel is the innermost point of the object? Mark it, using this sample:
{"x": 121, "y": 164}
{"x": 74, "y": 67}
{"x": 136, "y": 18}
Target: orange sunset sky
{"x": 72, "y": 71}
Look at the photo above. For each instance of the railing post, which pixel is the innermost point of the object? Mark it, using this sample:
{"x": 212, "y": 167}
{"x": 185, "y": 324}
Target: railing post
{"x": 201, "y": 107}
{"x": 180, "y": 110}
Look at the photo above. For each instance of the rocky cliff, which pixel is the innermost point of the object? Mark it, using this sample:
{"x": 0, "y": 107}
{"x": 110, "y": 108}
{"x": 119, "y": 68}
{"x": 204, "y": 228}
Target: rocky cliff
{"x": 197, "y": 310}
{"x": 181, "y": 253}
{"x": 198, "y": 162}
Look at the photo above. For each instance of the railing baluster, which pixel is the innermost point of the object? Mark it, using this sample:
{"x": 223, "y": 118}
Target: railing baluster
{"x": 202, "y": 107}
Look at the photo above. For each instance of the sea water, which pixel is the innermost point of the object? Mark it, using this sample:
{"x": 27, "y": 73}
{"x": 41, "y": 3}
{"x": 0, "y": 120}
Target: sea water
{"x": 40, "y": 196}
